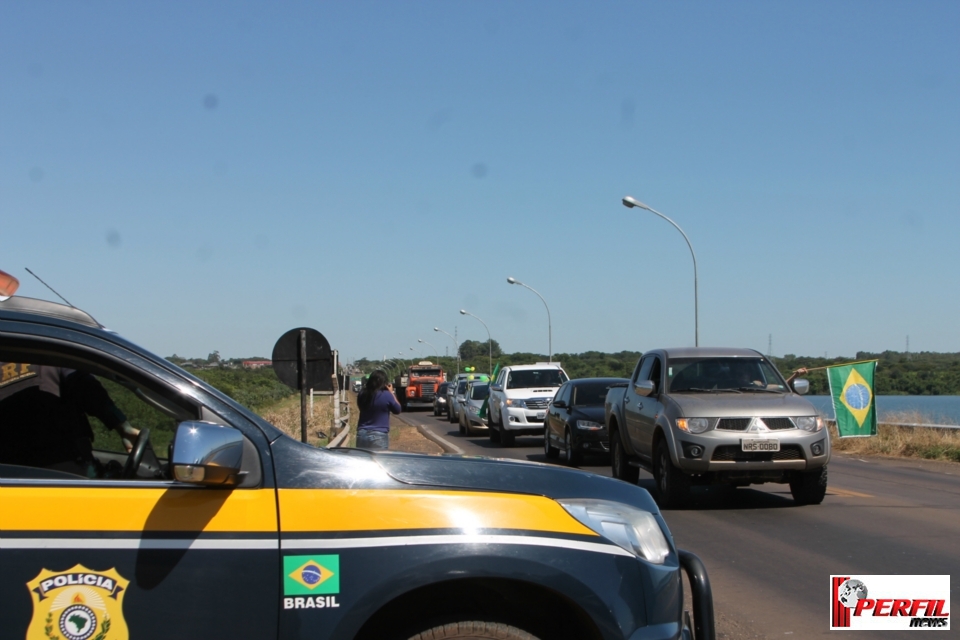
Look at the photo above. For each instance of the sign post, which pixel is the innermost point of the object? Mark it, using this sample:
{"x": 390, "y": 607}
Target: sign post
{"x": 302, "y": 359}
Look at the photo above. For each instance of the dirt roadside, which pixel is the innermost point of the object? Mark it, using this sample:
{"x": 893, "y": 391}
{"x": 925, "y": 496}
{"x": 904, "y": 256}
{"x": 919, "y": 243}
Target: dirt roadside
{"x": 405, "y": 437}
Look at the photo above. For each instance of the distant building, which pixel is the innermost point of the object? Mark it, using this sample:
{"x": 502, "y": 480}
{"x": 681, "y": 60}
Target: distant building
{"x": 257, "y": 364}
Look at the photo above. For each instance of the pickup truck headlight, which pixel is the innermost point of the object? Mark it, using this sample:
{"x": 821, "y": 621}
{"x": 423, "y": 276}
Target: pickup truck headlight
{"x": 693, "y": 425}
{"x": 514, "y": 402}
{"x": 628, "y": 527}
{"x": 589, "y": 425}
{"x": 809, "y": 423}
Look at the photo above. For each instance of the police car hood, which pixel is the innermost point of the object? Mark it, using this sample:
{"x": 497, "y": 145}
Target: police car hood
{"x": 513, "y": 476}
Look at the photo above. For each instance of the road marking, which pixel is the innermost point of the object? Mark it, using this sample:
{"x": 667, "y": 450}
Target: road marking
{"x": 847, "y": 493}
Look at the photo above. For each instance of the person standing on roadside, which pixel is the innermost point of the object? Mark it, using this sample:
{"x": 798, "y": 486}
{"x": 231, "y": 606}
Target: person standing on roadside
{"x": 377, "y": 401}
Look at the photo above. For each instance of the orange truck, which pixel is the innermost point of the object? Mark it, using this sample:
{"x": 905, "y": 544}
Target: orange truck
{"x": 417, "y": 386}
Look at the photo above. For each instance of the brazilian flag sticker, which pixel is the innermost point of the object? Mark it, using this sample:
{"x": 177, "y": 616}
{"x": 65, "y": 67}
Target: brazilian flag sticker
{"x": 311, "y": 575}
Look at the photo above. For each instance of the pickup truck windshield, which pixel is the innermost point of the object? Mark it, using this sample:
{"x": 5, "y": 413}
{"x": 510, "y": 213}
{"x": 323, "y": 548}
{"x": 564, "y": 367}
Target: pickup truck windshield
{"x": 695, "y": 375}
{"x": 533, "y": 378}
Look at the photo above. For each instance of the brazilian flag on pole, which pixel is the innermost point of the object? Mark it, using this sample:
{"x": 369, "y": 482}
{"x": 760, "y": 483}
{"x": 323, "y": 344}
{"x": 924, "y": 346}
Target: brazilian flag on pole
{"x": 854, "y": 403}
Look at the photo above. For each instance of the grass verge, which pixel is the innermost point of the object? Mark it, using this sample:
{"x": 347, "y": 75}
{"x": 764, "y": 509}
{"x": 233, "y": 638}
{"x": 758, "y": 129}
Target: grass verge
{"x": 904, "y": 442}
{"x": 285, "y": 415}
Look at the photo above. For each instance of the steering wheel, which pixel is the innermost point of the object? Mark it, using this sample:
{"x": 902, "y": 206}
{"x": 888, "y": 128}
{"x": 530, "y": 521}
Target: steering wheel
{"x": 136, "y": 455}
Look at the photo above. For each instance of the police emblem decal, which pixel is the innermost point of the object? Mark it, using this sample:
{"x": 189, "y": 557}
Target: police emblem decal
{"x": 78, "y": 604}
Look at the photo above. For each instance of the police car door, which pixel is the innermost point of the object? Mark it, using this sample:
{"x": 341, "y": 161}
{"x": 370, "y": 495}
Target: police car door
{"x": 145, "y": 556}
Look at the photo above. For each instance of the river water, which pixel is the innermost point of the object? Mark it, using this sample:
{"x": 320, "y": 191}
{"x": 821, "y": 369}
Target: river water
{"x": 932, "y": 409}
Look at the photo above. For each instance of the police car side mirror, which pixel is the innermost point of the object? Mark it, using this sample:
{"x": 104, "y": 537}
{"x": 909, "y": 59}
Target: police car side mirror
{"x": 206, "y": 453}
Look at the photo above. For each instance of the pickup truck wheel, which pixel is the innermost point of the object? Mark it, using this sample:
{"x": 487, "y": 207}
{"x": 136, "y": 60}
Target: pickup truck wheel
{"x": 620, "y": 462}
{"x": 809, "y": 487}
{"x": 548, "y": 449}
{"x": 494, "y": 434}
{"x": 673, "y": 486}
{"x": 474, "y": 630}
{"x": 507, "y": 439}
{"x": 450, "y": 417}
{"x": 570, "y": 454}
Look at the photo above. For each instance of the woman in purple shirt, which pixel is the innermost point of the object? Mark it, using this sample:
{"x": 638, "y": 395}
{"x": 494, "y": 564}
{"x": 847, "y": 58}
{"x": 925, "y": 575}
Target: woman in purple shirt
{"x": 376, "y": 403}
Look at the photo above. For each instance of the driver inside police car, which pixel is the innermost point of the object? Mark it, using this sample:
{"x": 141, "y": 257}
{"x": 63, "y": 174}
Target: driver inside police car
{"x": 43, "y": 418}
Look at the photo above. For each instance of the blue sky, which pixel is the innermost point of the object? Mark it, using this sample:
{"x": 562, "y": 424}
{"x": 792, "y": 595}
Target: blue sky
{"x": 208, "y": 175}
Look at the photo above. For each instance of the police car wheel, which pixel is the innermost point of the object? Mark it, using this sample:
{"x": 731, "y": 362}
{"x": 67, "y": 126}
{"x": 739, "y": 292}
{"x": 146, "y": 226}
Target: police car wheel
{"x": 474, "y": 630}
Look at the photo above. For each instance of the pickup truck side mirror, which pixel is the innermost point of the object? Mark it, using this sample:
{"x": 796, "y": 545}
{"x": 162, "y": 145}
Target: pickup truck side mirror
{"x": 801, "y": 386}
{"x": 496, "y": 387}
{"x": 645, "y": 387}
{"x": 208, "y": 454}
{"x": 560, "y": 404}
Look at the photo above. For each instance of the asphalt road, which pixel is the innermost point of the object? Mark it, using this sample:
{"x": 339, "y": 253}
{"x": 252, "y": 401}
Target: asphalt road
{"x": 769, "y": 561}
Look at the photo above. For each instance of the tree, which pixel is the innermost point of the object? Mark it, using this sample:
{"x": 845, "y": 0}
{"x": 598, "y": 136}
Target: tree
{"x": 473, "y": 349}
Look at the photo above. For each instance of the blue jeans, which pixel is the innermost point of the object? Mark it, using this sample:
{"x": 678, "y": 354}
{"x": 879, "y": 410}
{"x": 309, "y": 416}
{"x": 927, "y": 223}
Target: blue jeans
{"x": 370, "y": 439}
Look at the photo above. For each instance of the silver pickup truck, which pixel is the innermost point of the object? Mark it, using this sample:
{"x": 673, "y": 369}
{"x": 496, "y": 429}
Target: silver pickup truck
{"x": 716, "y": 416}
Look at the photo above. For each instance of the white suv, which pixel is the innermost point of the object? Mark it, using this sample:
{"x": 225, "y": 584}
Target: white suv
{"x": 519, "y": 398}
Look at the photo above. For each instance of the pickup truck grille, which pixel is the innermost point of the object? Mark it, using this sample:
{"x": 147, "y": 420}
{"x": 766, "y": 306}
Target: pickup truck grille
{"x": 741, "y": 424}
{"x": 734, "y": 424}
{"x": 538, "y": 403}
{"x": 732, "y": 453}
{"x": 779, "y": 423}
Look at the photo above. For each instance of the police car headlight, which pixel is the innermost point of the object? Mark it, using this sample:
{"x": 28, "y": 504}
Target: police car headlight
{"x": 809, "y": 423}
{"x": 636, "y": 531}
{"x": 514, "y": 402}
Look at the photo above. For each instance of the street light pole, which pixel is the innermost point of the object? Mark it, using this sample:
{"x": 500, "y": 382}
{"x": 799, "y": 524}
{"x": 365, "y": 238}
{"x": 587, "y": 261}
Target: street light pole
{"x": 437, "y": 353}
{"x": 629, "y": 202}
{"x": 489, "y": 339}
{"x": 549, "y": 324}
{"x": 455, "y": 345}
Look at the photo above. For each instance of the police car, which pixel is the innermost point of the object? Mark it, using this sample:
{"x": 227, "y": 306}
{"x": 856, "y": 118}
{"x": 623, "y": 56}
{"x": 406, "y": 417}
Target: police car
{"x": 217, "y": 525}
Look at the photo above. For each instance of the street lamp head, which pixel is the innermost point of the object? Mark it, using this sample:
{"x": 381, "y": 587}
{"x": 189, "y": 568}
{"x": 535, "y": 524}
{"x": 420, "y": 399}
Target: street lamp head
{"x": 512, "y": 280}
{"x": 436, "y": 328}
{"x": 462, "y": 312}
{"x": 630, "y": 201}
{"x": 419, "y": 340}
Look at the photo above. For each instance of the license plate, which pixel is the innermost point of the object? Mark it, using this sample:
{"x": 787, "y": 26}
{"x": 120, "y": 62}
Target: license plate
{"x": 757, "y": 444}
{"x": 541, "y": 415}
